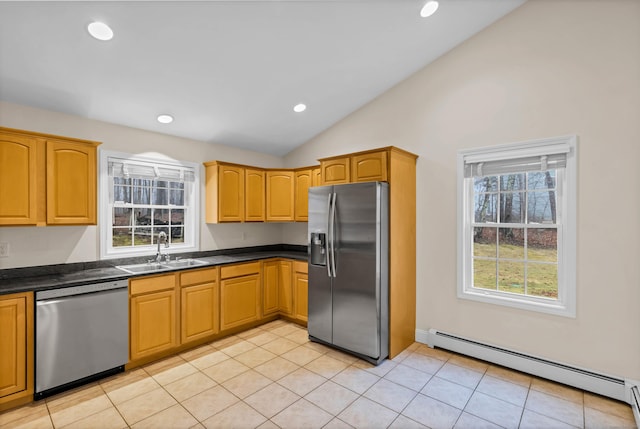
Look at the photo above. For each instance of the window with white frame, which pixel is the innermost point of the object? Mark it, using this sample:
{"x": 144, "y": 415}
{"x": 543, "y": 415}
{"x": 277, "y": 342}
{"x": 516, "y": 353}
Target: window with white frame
{"x": 143, "y": 197}
{"x": 517, "y": 223}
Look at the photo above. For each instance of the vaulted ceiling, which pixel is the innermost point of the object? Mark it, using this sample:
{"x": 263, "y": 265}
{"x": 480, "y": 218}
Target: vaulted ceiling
{"x": 229, "y": 72}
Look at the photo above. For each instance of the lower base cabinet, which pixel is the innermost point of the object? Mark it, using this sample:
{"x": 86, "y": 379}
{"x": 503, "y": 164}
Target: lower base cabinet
{"x": 152, "y": 316}
{"x": 240, "y": 295}
{"x": 16, "y": 349}
{"x": 199, "y": 304}
{"x": 301, "y": 291}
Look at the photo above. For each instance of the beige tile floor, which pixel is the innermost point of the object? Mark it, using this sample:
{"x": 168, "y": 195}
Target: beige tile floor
{"x": 272, "y": 376}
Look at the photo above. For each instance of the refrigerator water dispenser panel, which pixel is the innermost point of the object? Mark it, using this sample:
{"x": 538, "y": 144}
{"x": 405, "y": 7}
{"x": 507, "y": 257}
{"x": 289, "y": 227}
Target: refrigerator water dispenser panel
{"x": 318, "y": 253}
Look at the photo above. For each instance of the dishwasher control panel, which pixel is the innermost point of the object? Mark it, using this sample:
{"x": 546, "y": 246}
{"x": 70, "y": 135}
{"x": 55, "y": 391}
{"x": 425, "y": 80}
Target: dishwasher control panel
{"x": 79, "y": 290}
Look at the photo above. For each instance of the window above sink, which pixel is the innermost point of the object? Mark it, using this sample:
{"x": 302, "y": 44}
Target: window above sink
{"x": 142, "y": 197}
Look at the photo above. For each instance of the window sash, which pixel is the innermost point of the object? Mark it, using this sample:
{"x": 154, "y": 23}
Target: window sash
{"x": 565, "y": 188}
{"x": 181, "y": 177}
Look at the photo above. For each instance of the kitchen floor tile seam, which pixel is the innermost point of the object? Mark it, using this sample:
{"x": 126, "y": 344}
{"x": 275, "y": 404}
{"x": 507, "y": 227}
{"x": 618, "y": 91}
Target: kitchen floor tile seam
{"x": 53, "y": 425}
{"x": 554, "y": 417}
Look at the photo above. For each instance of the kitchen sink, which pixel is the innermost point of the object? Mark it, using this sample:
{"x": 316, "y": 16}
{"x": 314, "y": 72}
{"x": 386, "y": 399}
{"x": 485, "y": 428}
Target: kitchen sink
{"x": 184, "y": 263}
{"x": 159, "y": 266}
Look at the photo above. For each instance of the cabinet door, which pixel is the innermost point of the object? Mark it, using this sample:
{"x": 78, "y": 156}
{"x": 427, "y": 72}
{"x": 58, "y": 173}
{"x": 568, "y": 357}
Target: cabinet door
{"x": 199, "y": 315}
{"x": 16, "y": 346}
{"x": 239, "y": 301}
{"x": 302, "y": 185}
{"x": 230, "y": 193}
{"x": 71, "y": 183}
{"x": 335, "y": 171}
{"x": 316, "y": 177}
{"x": 153, "y": 323}
{"x": 254, "y": 195}
{"x": 285, "y": 293}
{"x": 18, "y": 169}
{"x": 280, "y": 196}
{"x": 301, "y": 292}
{"x": 369, "y": 167}
{"x": 270, "y": 272}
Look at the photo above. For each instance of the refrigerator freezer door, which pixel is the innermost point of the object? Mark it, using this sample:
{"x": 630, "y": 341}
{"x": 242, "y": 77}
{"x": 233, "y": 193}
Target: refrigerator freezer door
{"x": 320, "y": 304}
{"x": 357, "y": 282}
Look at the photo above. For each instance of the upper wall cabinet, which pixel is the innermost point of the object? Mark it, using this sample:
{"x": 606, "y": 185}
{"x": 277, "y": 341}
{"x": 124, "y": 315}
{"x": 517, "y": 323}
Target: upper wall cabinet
{"x": 280, "y": 199}
{"x": 18, "y": 176}
{"x": 335, "y": 170}
{"x": 71, "y": 183}
{"x": 316, "y": 176}
{"x": 303, "y": 181}
{"x": 225, "y": 192}
{"x": 254, "y": 206}
{"x": 369, "y": 167}
{"x": 46, "y": 179}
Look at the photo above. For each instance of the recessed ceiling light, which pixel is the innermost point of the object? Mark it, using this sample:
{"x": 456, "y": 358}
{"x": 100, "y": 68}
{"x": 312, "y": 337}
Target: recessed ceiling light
{"x": 165, "y": 119}
{"x": 299, "y": 108}
{"x": 429, "y": 8}
{"x": 100, "y": 31}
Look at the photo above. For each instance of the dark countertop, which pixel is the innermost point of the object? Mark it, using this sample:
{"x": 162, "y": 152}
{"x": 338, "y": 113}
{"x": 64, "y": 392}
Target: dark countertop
{"x": 32, "y": 279}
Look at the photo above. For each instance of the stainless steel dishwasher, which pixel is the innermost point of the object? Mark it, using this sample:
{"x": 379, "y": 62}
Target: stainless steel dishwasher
{"x": 81, "y": 334}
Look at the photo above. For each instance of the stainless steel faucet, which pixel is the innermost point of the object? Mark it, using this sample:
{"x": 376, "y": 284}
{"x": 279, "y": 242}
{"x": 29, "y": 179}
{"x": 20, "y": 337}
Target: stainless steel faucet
{"x": 162, "y": 239}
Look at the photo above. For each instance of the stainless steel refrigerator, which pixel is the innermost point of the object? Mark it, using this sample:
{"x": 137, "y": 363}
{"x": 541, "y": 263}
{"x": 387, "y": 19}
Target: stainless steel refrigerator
{"x": 349, "y": 268}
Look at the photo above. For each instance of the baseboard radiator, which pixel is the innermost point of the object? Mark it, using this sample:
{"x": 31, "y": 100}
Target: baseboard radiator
{"x": 583, "y": 379}
{"x": 635, "y": 403}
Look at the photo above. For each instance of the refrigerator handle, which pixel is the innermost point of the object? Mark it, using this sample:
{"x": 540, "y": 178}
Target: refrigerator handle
{"x": 332, "y": 221}
{"x": 328, "y": 240}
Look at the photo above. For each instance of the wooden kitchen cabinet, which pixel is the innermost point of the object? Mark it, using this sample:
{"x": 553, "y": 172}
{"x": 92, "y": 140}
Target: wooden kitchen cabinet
{"x": 153, "y": 308}
{"x": 369, "y": 167}
{"x": 254, "y": 195}
{"x": 301, "y": 291}
{"x": 270, "y": 284}
{"x": 316, "y": 176}
{"x": 335, "y": 170}
{"x": 18, "y": 175}
{"x": 16, "y": 349}
{"x": 224, "y": 190}
{"x": 71, "y": 183}
{"x": 199, "y": 312}
{"x": 240, "y": 295}
{"x": 47, "y": 179}
{"x": 303, "y": 180}
{"x": 285, "y": 290}
{"x": 280, "y": 195}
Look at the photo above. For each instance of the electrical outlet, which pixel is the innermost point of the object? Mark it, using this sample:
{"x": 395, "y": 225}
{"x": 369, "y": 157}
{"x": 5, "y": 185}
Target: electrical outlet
{"x": 4, "y": 249}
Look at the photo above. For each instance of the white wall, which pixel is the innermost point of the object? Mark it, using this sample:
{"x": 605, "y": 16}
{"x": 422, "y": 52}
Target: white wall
{"x": 63, "y": 244}
{"x": 549, "y": 68}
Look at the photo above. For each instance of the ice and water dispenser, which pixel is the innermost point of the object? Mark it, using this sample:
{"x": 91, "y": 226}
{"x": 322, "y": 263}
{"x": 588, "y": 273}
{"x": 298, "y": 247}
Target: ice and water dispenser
{"x": 318, "y": 249}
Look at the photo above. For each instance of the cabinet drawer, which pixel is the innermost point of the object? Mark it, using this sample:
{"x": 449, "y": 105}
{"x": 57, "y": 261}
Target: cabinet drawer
{"x": 239, "y": 270}
{"x": 301, "y": 267}
{"x": 194, "y": 277}
{"x": 152, "y": 284}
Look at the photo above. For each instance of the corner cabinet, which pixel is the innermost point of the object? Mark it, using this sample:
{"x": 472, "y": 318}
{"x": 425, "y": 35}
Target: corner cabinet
{"x": 47, "y": 179}
{"x": 16, "y": 349}
{"x": 224, "y": 190}
{"x": 303, "y": 180}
